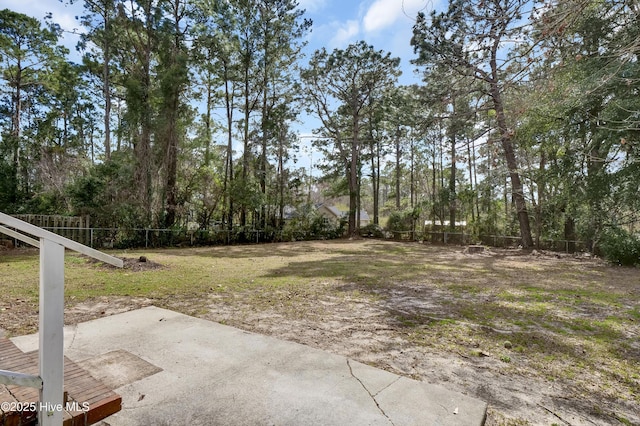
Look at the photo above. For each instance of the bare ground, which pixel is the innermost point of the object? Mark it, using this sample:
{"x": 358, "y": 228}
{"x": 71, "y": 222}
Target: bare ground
{"x": 426, "y": 329}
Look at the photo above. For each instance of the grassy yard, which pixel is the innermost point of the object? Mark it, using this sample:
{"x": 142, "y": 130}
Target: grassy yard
{"x": 542, "y": 338}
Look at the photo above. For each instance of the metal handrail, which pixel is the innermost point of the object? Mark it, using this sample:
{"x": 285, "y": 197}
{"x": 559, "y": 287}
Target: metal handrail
{"x": 50, "y": 381}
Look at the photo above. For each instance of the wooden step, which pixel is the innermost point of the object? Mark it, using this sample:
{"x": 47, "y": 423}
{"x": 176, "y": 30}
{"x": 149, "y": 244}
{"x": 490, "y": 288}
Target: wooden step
{"x": 87, "y": 400}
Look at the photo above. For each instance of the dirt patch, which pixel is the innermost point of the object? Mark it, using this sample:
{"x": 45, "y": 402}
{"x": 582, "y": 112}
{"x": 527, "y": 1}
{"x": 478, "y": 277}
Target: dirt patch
{"x": 140, "y": 264}
{"x": 102, "y": 306}
{"x": 137, "y": 264}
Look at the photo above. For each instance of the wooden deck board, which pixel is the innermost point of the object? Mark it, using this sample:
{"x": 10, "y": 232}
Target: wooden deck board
{"x": 7, "y": 346}
{"x": 10, "y": 418}
{"x": 80, "y": 388}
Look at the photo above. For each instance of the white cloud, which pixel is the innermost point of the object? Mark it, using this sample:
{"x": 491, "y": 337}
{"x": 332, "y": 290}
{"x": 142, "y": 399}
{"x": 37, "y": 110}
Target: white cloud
{"x": 312, "y": 5}
{"x": 62, "y": 14}
{"x": 32, "y": 8}
{"x": 345, "y": 33}
{"x": 384, "y": 13}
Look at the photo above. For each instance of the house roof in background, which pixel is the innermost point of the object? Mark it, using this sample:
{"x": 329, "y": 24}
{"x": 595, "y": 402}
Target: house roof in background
{"x": 343, "y": 213}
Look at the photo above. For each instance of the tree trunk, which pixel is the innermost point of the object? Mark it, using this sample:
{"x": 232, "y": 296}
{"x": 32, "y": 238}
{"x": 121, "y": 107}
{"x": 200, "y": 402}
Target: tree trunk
{"x": 570, "y": 233}
{"x": 353, "y": 178}
{"x": 452, "y": 177}
{"x": 471, "y": 184}
{"x": 15, "y": 134}
{"x": 413, "y": 183}
{"x": 281, "y": 181}
{"x": 265, "y": 118}
{"x": 172, "y": 91}
{"x": 207, "y": 150}
{"x": 142, "y": 145}
{"x": 107, "y": 93}
{"x": 246, "y": 152}
{"x": 398, "y": 171}
{"x": 541, "y": 199}
{"x": 507, "y": 146}
{"x": 172, "y": 162}
{"x": 374, "y": 183}
{"x": 263, "y": 169}
{"x": 596, "y": 186}
{"x": 228, "y": 165}
{"x": 433, "y": 188}
{"x": 512, "y": 165}
{"x": 358, "y": 208}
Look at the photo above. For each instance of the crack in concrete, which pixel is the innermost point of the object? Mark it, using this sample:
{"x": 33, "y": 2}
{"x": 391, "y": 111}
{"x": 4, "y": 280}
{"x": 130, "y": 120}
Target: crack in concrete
{"x": 389, "y": 385}
{"x": 73, "y": 339}
{"x": 373, "y": 397}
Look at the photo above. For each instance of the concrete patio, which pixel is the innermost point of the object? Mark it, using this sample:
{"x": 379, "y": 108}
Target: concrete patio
{"x": 173, "y": 369}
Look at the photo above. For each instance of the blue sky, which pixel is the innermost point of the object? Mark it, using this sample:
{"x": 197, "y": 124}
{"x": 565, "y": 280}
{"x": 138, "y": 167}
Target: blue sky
{"x": 64, "y": 15}
{"x": 385, "y": 24}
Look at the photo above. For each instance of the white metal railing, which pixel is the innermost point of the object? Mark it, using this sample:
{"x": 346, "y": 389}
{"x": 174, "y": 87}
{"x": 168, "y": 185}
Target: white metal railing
{"x": 50, "y": 381}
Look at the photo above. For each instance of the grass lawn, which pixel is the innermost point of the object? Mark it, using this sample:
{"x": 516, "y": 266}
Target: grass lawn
{"x": 542, "y": 338}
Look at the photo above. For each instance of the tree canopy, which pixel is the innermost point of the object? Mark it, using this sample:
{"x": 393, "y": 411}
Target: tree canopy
{"x": 184, "y": 112}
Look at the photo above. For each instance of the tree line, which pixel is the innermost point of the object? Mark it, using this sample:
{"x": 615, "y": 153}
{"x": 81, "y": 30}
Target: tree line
{"x": 526, "y": 122}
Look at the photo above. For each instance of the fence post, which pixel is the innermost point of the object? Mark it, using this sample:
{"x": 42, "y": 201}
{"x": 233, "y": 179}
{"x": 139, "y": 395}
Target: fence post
{"x": 51, "y": 323}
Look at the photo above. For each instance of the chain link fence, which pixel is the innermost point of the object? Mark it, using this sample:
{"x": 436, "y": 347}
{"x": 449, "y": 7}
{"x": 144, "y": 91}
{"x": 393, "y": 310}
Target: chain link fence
{"x": 501, "y": 241}
{"x": 106, "y": 238}
{"x": 120, "y": 238}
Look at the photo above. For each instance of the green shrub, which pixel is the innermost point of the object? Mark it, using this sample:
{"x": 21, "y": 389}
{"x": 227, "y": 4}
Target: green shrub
{"x": 312, "y": 227}
{"x": 372, "y": 230}
{"x": 619, "y": 246}
{"x": 403, "y": 220}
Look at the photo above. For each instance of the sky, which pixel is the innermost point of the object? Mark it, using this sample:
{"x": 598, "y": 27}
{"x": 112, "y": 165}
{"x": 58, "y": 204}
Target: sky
{"x": 385, "y": 24}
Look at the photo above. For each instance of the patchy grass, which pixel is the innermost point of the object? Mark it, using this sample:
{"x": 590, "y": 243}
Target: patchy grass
{"x": 568, "y": 325}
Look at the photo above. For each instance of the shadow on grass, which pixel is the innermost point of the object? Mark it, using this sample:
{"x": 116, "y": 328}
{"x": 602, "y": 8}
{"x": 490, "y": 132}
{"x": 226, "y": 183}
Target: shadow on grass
{"x": 560, "y": 349}
{"x": 362, "y": 269}
{"x": 19, "y": 255}
{"x": 370, "y": 248}
{"x": 263, "y": 250}
{"x": 565, "y": 325}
